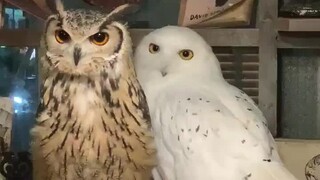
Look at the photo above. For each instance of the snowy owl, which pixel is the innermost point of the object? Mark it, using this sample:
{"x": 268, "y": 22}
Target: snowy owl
{"x": 205, "y": 128}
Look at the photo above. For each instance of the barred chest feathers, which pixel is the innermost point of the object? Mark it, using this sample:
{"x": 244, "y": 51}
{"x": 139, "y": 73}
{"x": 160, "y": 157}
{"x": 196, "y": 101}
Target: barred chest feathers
{"x": 91, "y": 120}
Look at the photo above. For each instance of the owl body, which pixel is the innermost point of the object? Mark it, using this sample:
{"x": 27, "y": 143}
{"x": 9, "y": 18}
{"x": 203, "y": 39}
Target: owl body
{"x": 93, "y": 121}
{"x": 204, "y": 127}
{"x": 199, "y": 137}
{"x": 312, "y": 169}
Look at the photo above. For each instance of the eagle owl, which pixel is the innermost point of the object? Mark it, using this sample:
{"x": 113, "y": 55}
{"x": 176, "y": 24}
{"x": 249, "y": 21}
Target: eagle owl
{"x": 93, "y": 121}
{"x": 312, "y": 169}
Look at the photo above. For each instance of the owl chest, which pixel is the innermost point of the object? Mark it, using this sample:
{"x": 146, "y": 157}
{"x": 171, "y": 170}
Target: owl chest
{"x": 76, "y": 128}
{"x": 86, "y": 107}
{"x": 76, "y": 122}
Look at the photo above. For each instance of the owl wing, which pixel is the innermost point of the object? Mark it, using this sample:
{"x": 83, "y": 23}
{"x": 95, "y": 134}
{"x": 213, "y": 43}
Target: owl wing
{"x": 246, "y": 110}
{"x": 201, "y": 132}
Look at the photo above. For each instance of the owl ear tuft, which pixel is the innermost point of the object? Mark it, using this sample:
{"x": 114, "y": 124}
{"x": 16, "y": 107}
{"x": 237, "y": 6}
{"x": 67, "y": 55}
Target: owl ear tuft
{"x": 123, "y": 10}
{"x": 59, "y": 6}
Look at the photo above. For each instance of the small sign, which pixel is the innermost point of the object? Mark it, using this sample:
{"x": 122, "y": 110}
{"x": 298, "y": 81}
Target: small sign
{"x": 196, "y": 11}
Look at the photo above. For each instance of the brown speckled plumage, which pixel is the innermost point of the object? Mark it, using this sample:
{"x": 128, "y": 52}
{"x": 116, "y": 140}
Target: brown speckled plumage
{"x": 93, "y": 120}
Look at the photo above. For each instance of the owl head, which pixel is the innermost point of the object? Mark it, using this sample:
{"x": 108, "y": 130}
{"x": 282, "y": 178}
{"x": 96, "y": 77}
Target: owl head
{"x": 85, "y": 42}
{"x": 174, "y": 51}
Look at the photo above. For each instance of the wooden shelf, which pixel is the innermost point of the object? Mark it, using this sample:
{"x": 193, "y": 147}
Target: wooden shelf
{"x": 215, "y": 37}
{"x": 298, "y": 33}
{"x": 298, "y": 24}
{"x": 298, "y": 40}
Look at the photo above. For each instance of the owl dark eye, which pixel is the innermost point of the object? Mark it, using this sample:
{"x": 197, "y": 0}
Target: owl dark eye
{"x": 99, "y": 38}
{"x": 153, "y": 48}
{"x": 186, "y": 54}
{"x": 62, "y": 36}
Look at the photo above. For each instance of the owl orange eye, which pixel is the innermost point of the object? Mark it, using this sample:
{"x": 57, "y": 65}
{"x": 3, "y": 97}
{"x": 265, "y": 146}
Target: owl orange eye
{"x": 99, "y": 38}
{"x": 62, "y": 36}
{"x": 153, "y": 48}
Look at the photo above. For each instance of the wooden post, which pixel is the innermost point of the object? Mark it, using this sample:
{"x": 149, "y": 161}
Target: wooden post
{"x": 267, "y": 16}
{"x": 2, "y": 15}
{"x": 238, "y": 64}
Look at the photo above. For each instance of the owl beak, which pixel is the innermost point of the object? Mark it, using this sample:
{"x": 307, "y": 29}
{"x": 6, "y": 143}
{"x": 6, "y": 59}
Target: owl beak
{"x": 164, "y": 72}
{"x": 76, "y": 55}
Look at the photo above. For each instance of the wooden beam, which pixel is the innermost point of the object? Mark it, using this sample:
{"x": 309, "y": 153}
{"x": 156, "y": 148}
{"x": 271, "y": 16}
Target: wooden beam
{"x": 299, "y": 40}
{"x": 1, "y": 13}
{"x": 43, "y": 4}
{"x": 298, "y": 24}
{"x": 268, "y": 61}
{"x": 215, "y": 37}
{"x": 231, "y": 37}
{"x": 29, "y": 7}
{"x": 19, "y": 38}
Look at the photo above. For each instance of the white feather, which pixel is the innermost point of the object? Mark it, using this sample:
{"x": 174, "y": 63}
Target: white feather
{"x": 204, "y": 127}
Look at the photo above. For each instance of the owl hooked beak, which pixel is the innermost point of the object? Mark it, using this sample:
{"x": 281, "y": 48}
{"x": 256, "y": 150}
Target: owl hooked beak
{"x": 76, "y": 55}
{"x": 164, "y": 71}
